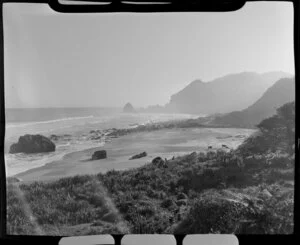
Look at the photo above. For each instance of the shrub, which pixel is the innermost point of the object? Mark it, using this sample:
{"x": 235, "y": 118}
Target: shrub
{"x": 211, "y": 215}
{"x": 169, "y": 204}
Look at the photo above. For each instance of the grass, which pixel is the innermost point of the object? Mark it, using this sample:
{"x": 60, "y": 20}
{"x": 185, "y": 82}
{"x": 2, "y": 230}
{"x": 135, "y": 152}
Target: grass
{"x": 149, "y": 199}
{"x": 63, "y": 203}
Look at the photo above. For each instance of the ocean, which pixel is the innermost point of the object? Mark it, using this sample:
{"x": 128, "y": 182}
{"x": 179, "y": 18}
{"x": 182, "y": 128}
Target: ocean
{"x": 74, "y": 123}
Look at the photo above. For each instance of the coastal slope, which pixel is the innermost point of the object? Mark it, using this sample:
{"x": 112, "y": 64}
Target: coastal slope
{"x": 283, "y": 91}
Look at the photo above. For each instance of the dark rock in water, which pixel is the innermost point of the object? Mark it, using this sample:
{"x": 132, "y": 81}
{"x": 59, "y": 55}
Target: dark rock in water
{"x": 99, "y": 155}
{"x": 225, "y": 146}
{"x": 32, "y": 144}
{"x": 143, "y": 154}
{"x": 128, "y": 108}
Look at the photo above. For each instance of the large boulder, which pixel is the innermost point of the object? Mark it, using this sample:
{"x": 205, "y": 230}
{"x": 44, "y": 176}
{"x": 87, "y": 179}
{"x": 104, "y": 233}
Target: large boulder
{"x": 143, "y": 154}
{"x": 99, "y": 155}
{"x": 32, "y": 144}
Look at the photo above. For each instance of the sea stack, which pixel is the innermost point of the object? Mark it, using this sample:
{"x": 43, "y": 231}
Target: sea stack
{"x": 128, "y": 108}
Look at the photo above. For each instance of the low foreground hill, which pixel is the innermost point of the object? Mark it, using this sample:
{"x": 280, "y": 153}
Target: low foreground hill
{"x": 249, "y": 190}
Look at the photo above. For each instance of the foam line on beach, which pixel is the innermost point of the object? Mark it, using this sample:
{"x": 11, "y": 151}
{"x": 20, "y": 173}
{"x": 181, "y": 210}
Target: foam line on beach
{"x": 45, "y": 122}
{"x": 41, "y": 160}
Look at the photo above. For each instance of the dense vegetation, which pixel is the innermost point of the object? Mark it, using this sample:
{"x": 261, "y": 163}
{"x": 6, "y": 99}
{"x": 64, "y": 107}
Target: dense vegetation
{"x": 249, "y": 190}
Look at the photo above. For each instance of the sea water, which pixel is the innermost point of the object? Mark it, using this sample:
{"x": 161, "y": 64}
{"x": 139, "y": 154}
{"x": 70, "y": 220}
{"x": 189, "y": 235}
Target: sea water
{"x": 74, "y": 123}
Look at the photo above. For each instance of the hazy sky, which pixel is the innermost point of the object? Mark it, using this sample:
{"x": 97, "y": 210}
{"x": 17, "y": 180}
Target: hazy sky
{"x": 79, "y": 60}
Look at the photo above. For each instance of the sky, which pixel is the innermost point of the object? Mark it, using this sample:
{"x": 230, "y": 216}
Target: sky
{"x": 106, "y": 60}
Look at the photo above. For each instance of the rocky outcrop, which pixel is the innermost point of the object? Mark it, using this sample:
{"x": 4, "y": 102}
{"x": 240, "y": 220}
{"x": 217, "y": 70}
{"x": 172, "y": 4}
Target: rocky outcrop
{"x": 128, "y": 108}
{"x": 143, "y": 154}
{"x": 32, "y": 144}
{"x": 99, "y": 155}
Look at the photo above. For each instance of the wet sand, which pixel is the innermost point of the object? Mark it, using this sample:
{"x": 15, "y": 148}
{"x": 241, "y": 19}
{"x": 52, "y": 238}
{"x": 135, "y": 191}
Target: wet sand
{"x": 165, "y": 143}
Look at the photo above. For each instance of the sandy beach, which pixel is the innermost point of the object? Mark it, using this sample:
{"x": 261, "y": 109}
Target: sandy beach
{"x": 165, "y": 143}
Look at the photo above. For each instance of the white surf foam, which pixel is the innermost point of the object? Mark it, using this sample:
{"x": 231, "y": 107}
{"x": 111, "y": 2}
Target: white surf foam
{"x": 14, "y": 125}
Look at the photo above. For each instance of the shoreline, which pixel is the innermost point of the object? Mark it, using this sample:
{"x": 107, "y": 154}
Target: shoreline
{"x": 94, "y": 135}
{"x": 165, "y": 143}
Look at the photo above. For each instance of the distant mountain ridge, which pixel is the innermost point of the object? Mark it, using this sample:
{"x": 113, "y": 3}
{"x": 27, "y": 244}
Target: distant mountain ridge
{"x": 283, "y": 91}
{"x": 222, "y": 95}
